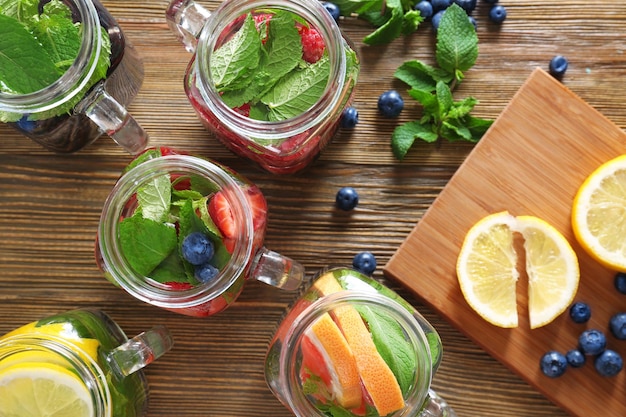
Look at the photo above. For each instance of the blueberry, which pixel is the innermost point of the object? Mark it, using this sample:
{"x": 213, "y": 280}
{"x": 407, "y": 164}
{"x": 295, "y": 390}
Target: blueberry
{"x": 575, "y": 358}
{"x": 467, "y": 5}
{"x": 553, "y": 364}
{"x": 609, "y": 363}
{"x": 491, "y": 1}
{"x": 497, "y": 14}
{"x": 347, "y": 198}
{"x": 473, "y": 22}
{"x": 205, "y": 272}
{"x": 617, "y": 324}
{"x": 333, "y": 9}
{"x": 197, "y": 248}
{"x": 558, "y": 66}
{"x": 349, "y": 118}
{"x": 364, "y": 262}
{"x": 592, "y": 342}
{"x": 390, "y": 103}
{"x": 440, "y": 4}
{"x": 425, "y": 8}
{"x": 620, "y": 282}
{"x": 436, "y": 20}
{"x": 580, "y": 312}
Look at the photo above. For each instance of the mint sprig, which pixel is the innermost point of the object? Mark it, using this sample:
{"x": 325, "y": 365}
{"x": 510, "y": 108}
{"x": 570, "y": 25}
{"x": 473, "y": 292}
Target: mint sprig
{"x": 443, "y": 117}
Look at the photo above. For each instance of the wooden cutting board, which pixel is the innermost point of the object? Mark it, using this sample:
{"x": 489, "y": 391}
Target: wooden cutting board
{"x": 531, "y": 161}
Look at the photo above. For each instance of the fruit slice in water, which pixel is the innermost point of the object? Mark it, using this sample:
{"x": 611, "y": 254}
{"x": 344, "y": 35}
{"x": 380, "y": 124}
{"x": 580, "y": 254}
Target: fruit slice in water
{"x": 43, "y": 390}
{"x": 487, "y": 269}
{"x": 599, "y": 214}
{"x": 378, "y": 379}
{"x": 552, "y": 269}
{"x": 487, "y": 272}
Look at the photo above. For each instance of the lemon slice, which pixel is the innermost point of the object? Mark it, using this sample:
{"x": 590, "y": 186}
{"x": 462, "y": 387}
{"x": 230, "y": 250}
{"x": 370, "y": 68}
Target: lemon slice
{"x": 486, "y": 269}
{"x": 552, "y": 269}
{"x": 599, "y": 214}
{"x": 43, "y": 390}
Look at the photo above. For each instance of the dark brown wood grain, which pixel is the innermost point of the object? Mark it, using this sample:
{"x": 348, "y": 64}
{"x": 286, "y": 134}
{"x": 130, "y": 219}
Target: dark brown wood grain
{"x": 50, "y": 204}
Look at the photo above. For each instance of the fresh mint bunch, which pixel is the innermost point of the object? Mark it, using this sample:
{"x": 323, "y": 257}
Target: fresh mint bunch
{"x": 392, "y": 18}
{"x": 36, "y": 49}
{"x": 443, "y": 117}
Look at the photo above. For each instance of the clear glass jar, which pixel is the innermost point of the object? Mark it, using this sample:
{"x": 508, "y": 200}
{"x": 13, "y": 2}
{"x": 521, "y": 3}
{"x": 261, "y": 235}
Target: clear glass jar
{"x": 304, "y": 370}
{"x": 91, "y": 346}
{"x": 43, "y": 115}
{"x": 278, "y": 146}
{"x": 171, "y": 282}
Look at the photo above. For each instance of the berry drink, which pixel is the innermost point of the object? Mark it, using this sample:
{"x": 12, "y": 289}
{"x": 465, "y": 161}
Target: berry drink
{"x": 86, "y": 351}
{"x": 55, "y": 114}
{"x": 184, "y": 233}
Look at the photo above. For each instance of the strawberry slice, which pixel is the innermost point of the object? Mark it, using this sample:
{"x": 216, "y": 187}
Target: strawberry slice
{"x": 222, "y": 216}
{"x": 178, "y": 286}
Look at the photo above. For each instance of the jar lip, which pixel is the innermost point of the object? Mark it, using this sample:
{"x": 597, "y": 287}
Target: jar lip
{"x": 141, "y": 286}
{"x": 289, "y": 373}
{"x": 313, "y": 12}
{"x": 86, "y": 367}
{"x": 74, "y": 79}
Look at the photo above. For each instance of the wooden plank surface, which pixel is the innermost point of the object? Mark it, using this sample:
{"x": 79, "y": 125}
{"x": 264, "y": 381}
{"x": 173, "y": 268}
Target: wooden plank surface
{"x": 50, "y": 204}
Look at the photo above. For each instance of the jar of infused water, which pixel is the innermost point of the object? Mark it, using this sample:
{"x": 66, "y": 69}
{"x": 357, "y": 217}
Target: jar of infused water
{"x": 184, "y": 233}
{"x": 68, "y": 75}
{"x": 77, "y": 364}
{"x": 350, "y": 346}
{"x": 269, "y": 78}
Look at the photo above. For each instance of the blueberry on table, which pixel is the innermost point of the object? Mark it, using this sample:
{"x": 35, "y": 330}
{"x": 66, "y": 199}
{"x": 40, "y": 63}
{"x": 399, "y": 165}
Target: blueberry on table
{"x": 347, "y": 198}
{"x": 620, "y": 282}
{"x": 390, "y": 104}
{"x": 553, "y": 364}
{"x": 592, "y": 342}
{"x": 497, "y": 14}
{"x": 425, "y": 8}
{"x": 580, "y": 312}
{"x": 436, "y": 20}
{"x": 364, "y": 262}
{"x": 575, "y": 358}
{"x": 333, "y": 9}
{"x": 349, "y": 118}
{"x": 205, "y": 272}
{"x": 440, "y": 4}
{"x": 558, "y": 66}
{"x": 617, "y": 324}
{"x": 197, "y": 248}
{"x": 467, "y": 5}
{"x": 609, "y": 363}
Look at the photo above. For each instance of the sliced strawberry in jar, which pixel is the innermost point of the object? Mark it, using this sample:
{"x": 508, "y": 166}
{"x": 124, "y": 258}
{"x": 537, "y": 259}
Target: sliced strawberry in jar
{"x": 222, "y": 216}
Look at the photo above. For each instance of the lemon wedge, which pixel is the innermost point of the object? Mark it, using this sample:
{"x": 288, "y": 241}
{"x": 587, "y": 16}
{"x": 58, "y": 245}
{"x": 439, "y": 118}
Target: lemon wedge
{"x": 599, "y": 214}
{"x": 487, "y": 269}
{"x": 43, "y": 390}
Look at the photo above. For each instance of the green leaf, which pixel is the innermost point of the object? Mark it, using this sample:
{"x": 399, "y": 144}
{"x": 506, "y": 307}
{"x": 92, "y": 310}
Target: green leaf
{"x": 155, "y": 198}
{"x": 462, "y": 108}
{"x": 404, "y": 136}
{"x": 22, "y": 10}
{"x": 60, "y": 38}
{"x": 230, "y": 63}
{"x": 172, "y": 269}
{"x": 25, "y": 66}
{"x": 457, "y": 42}
{"x": 389, "y": 30}
{"x": 427, "y": 100}
{"x": 444, "y": 99}
{"x": 420, "y": 76}
{"x": 411, "y": 21}
{"x": 146, "y": 243}
{"x": 297, "y": 91}
{"x": 394, "y": 348}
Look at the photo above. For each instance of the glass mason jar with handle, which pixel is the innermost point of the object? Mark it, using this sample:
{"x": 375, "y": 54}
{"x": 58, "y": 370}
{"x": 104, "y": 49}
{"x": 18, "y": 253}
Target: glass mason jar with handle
{"x": 350, "y": 346}
{"x": 184, "y": 233}
{"x": 269, "y": 78}
{"x": 77, "y": 364}
{"x": 99, "y": 77}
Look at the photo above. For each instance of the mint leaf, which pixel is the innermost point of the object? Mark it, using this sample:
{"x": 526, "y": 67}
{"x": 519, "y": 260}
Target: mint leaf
{"x": 457, "y": 42}
{"x": 172, "y": 270}
{"x": 392, "y": 345}
{"x": 297, "y": 91}
{"x": 146, "y": 243}
{"x": 25, "y": 66}
{"x": 23, "y": 11}
{"x": 230, "y": 63}
{"x": 404, "y": 136}
{"x": 155, "y": 198}
{"x": 60, "y": 38}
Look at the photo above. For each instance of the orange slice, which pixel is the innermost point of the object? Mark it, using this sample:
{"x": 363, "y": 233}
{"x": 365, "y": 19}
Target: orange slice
{"x": 377, "y": 377}
{"x": 345, "y": 382}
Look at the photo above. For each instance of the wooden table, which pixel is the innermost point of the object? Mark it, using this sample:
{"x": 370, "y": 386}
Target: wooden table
{"x": 50, "y": 204}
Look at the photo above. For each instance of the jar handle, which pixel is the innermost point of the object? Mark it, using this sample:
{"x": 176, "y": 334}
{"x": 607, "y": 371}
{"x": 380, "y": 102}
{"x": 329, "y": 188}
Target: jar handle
{"x": 140, "y": 351}
{"x": 435, "y": 406}
{"x": 186, "y": 19}
{"x": 277, "y": 270}
{"x": 113, "y": 119}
